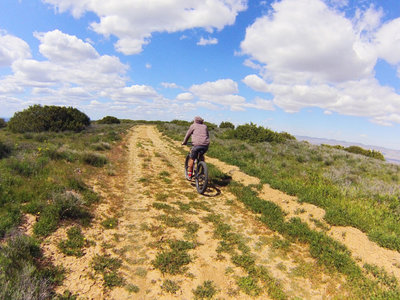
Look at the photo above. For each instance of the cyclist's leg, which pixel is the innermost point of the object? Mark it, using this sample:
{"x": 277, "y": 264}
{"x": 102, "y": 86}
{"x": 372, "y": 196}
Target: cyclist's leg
{"x": 192, "y": 157}
{"x": 202, "y": 151}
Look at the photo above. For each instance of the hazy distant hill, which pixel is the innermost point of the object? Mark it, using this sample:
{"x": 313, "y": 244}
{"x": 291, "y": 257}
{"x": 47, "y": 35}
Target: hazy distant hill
{"x": 392, "y": 156}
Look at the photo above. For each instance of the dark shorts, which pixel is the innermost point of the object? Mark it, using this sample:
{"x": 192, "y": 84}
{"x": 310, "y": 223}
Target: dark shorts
{"x": 196, "y": 150}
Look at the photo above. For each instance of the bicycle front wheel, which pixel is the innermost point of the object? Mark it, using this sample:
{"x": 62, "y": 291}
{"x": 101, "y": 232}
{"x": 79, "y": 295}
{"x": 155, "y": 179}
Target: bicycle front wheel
{"x": 201, "y": 177}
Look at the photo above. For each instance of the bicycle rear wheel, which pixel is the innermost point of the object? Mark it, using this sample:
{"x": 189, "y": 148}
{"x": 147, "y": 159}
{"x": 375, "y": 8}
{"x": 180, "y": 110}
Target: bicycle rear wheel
{"x": 201, "y": 177}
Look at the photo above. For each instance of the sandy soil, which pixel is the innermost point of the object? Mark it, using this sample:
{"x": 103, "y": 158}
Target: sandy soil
{"x": 149, "y": 169}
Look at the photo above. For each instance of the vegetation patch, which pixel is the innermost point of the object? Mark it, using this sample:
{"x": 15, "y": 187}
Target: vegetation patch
{"x": 249, "y": 286}
{"x": 172, "y": 262}
{"x": 109, "y": 120}
{"x": 75, "y": 242}
{"x": 39, "y": 118}
{"x": 110, "y": 223}
{"x": 22, "y": 275}
{"x": 207, "y": 290}
{"x": 354, "y": 190}
{"x": 108, "y": 267}
{"x": 94, "y": 159}
{"x": 170, "y": 286}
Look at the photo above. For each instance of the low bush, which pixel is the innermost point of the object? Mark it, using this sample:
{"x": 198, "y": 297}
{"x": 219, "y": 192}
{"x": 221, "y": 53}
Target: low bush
{"x": 5, "y": 150}
{"x": 74, "y": 244}
{"x": 94, "y": 159}
{"x": 205, "y": 291}
{"x": 64, "y": 206}
{"x": 256, "y": 134}
{"x": 358, "y": 150}
{"x": 21, "y": 276}
{"x": 108, "y": 267}
{"x": 2, "y": 123}
{"x": 39, "y": 118}
{"x": 227, "y": 125}
{"x": 181, "y": 123}
{"x": 109, "y": 120}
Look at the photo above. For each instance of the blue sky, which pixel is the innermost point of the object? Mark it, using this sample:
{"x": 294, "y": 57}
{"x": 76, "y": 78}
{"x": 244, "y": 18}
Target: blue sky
{"x": 320, "y": 68}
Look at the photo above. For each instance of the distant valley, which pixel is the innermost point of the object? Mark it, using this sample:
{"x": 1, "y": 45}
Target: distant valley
{"x": 391, "y": 155}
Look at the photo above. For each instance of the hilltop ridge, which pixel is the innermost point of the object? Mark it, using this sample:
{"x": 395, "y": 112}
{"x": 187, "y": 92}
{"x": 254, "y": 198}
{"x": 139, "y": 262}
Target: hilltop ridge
{"x": 391, "y": 155}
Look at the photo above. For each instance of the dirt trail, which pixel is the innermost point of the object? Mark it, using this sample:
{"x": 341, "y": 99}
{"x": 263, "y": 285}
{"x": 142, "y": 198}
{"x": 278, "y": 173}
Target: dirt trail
{"x": 156, "y": 206}
{"x": 363, "y": 250}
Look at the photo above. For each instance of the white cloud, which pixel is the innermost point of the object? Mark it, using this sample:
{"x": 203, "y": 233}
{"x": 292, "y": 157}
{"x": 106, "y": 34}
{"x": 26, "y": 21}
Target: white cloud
{"x": 256, "y": 83}
{"x": 222, "y": 92}
{"x": 207, "y": 105}
{"x": 304, "y": 40}
{"x": 169, "y": 85}
{"x": 312, "y": 56}
{"x": 74, "y": 73}
{"x": 184, "y": 97}
{"x": 220, "y": 87}
{"x": 387, "y": 40}
{"x": 261, "y": 104}
{"x": 142, "y": 91}
{"x": 209, "y": 41}
{"x": 12, "y": 48}
{"x": 364, "y": 98}
{"x": 148, "y": 66}
{"x": 59, "y": 47}
{"x": 133, "y": 22}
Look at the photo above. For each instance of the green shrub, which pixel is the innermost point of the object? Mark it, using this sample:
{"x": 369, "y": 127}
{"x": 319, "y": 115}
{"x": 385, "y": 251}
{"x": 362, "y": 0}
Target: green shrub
{"x": 94, "y": 159}
{"x": 369, "y": 153}
{"x": 172, "y": 262}
{"x": 170, "y": 286}
{"x": 64, "y": 206}
{"x": 20, "y": 274}
{"x": 109, "y": 120}
{"x": 5, "y": 150}
{"x": 256, "y": 134}
{"x": 39, "y": 118}
{"x": 210, "y": 126}
{"x": 227, "y": 125}
{"x": 10, "y": 216}
{"x": 108, "y": 267}
{"x": 249, "y": 286}
{"x": 74, "y": 244}
{"x": 181, "y": 123}
{"x": 358, "y": 150}
{"x": 205, "y": 291}
{"x": 2, "y": 123}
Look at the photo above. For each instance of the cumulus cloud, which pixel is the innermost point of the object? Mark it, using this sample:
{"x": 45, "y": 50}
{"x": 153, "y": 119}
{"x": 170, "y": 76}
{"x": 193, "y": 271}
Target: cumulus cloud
{"x": 59, "y": 47}
{"x": 304, "y": 40}
{"x": 313, "y": 56}
{"x": 170, "y": 85}
{"x": 387, "y": 40}
{"x": 12, "y": 48}
{"x": 184, "y": 97}
{"x": 72, "y": 74}
{"x": 209, "y": 41}
{"x": 222, "y": 92}
{"x": 133, "y": 22}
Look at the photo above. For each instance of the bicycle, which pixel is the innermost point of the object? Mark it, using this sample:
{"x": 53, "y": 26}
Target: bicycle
{"x": 200, "y": 171}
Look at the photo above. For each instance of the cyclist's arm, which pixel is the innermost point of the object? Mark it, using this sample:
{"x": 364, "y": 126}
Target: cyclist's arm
{"x": 188, "y": 134}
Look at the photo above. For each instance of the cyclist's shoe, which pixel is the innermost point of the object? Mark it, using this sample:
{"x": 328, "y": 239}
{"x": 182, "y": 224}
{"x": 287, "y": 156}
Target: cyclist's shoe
{"x": 189, "y": 176}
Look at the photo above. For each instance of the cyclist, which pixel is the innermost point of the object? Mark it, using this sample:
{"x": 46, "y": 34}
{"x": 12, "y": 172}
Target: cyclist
{"x": 200, "y": 139}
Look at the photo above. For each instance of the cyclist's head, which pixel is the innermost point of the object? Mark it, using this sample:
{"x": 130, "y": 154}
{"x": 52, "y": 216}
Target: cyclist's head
{"x": 198, "y": 120}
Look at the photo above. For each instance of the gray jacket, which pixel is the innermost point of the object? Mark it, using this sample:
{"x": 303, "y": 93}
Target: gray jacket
{"x": 199, "y": 133}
